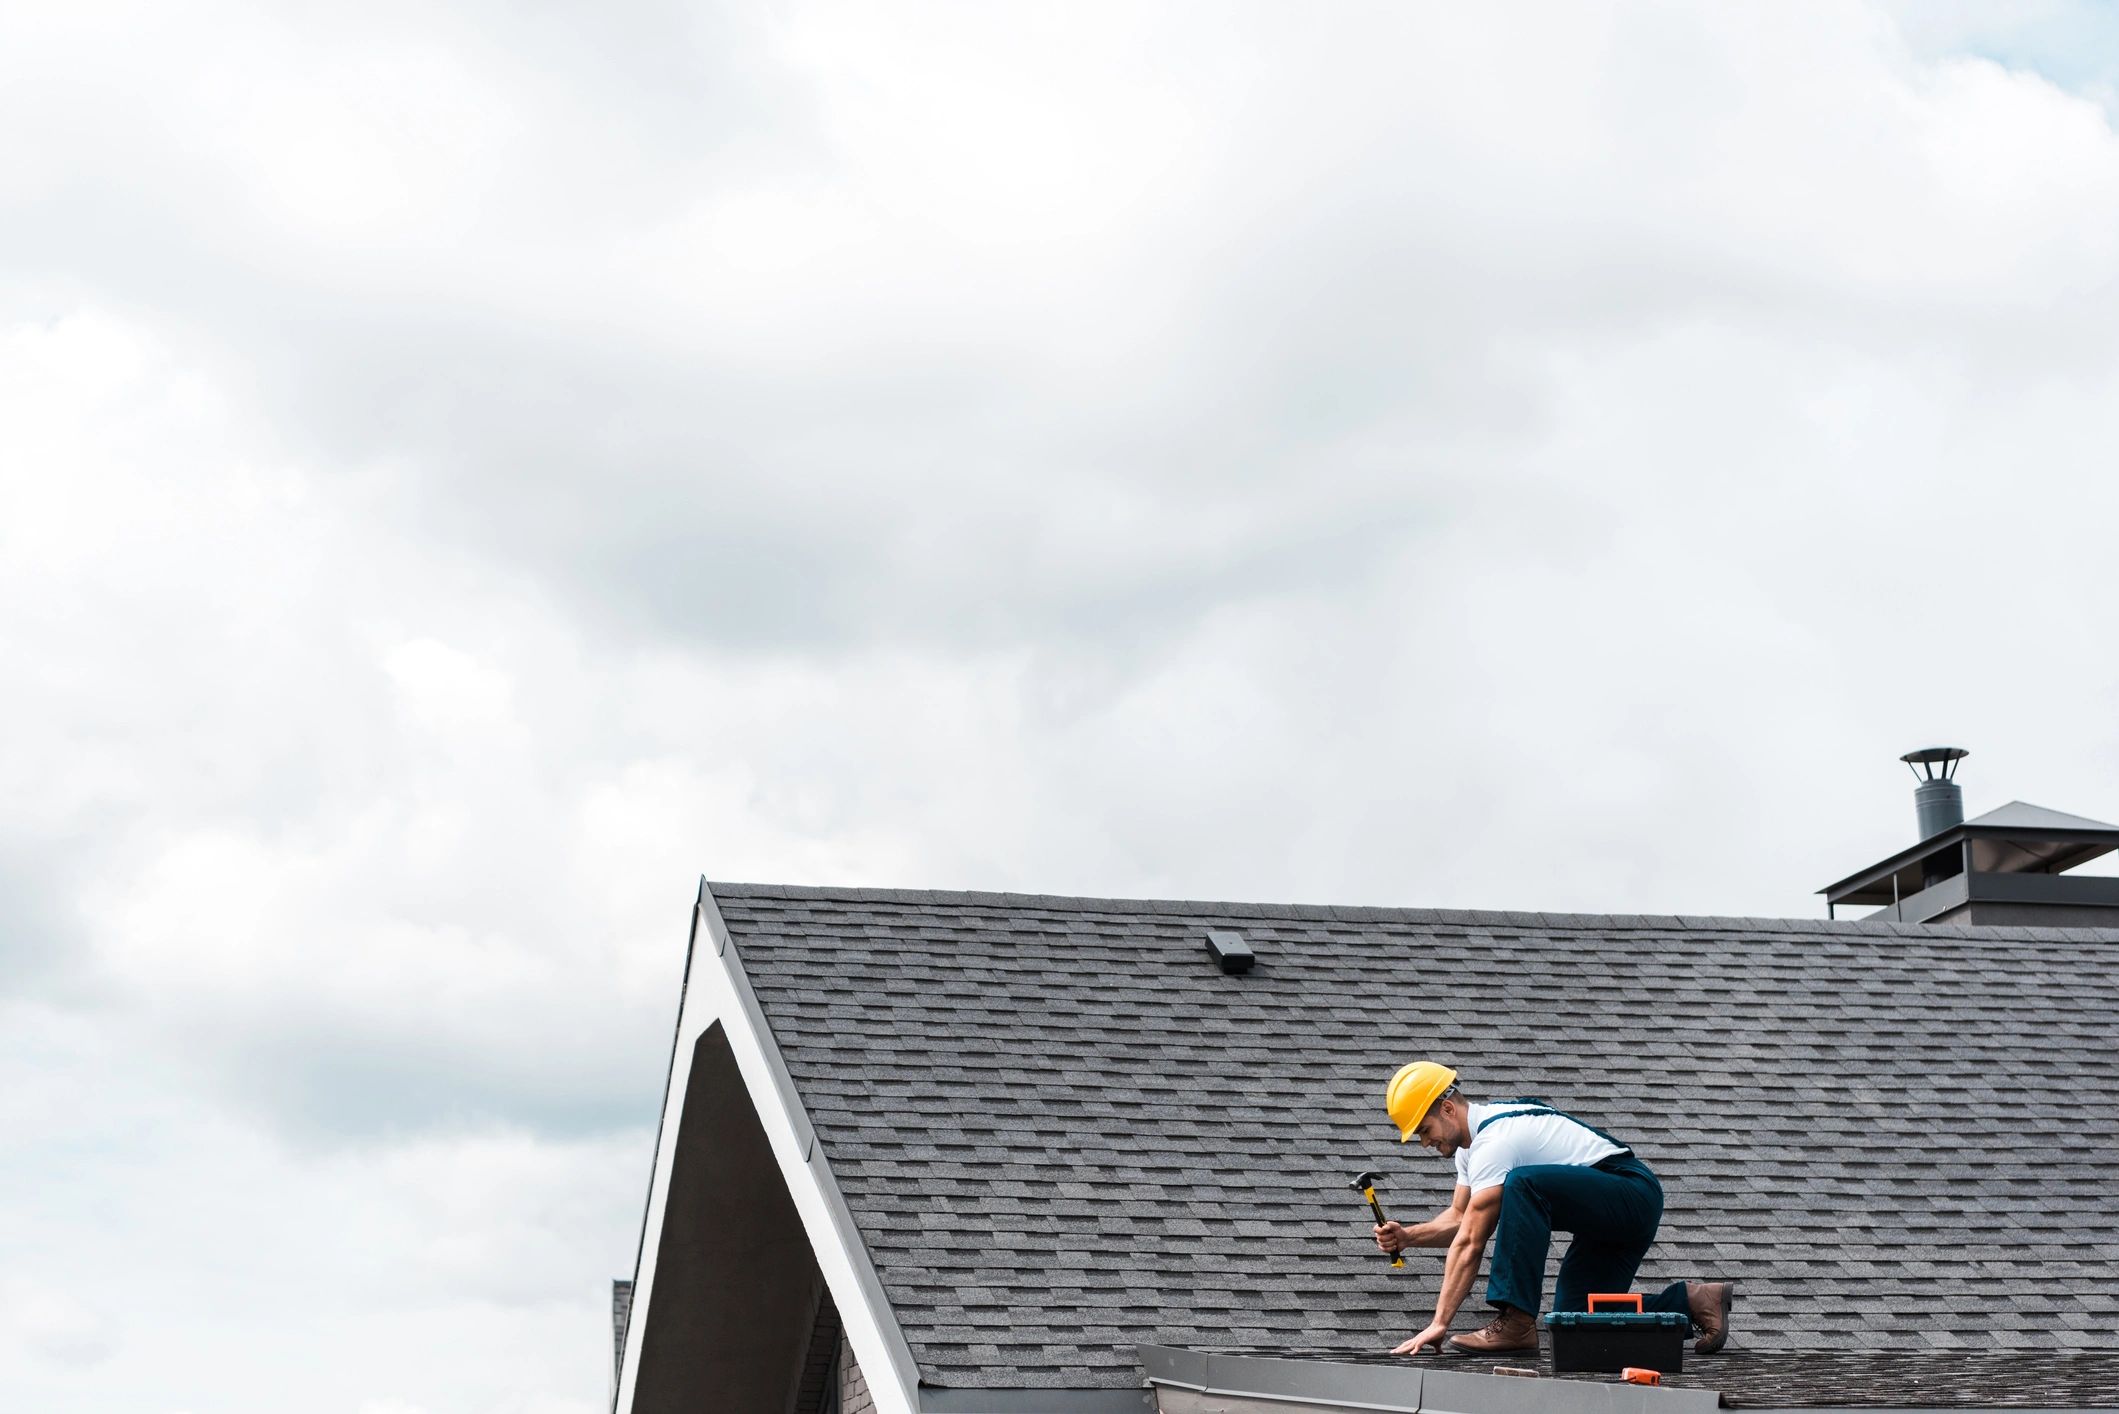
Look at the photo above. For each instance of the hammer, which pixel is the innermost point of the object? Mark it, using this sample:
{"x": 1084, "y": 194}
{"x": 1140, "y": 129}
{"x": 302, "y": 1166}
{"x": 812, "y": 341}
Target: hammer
{"x": 1365, "y": 1184}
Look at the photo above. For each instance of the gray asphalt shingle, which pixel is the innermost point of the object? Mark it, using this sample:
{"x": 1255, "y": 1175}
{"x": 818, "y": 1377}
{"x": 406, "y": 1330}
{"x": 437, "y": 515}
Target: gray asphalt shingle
{"x": 1064, "y": 1132}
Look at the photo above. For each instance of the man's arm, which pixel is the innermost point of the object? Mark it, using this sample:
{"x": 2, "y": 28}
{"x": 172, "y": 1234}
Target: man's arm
{"x": 1437, "y": 1231}
{"x": 1462, "y": 1266}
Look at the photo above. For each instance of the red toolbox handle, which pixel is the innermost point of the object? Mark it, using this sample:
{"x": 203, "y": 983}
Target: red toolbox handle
{"x": 1626, "y": 1300}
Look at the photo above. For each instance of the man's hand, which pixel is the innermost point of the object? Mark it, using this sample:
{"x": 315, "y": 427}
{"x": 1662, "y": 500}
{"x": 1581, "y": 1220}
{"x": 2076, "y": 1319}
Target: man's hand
{"x": 1433, "y": 1335}
{"x": 1393, "y": 1238}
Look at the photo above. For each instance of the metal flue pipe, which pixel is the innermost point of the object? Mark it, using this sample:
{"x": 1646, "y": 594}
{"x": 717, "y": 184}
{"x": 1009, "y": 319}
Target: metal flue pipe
{"x": 1938, "y": 803}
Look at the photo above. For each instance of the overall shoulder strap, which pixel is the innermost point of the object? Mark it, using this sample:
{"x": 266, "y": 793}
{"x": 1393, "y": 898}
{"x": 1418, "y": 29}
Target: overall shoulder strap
{"x": 1539, "y": 1107}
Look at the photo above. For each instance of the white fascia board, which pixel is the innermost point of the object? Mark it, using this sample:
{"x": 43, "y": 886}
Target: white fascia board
{"x": 716, "y": 990}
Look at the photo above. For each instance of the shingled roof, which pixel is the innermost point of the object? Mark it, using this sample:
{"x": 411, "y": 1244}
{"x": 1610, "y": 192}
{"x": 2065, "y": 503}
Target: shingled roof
{"x": 1061, "y": 1132}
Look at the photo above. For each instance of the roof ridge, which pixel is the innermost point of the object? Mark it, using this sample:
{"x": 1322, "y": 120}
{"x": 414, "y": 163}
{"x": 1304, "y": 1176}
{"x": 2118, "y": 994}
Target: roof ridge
{"x": 1361, "y": 913}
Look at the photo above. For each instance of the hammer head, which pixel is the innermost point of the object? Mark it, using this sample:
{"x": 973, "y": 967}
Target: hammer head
{"x": 1365, "y": 1180}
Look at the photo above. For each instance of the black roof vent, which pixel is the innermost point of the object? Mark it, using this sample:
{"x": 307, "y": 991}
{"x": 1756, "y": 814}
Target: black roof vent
{"x": 1231, "y": 951}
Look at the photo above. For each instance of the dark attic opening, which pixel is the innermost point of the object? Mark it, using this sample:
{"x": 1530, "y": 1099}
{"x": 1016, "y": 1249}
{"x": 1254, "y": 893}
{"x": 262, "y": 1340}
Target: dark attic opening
{"x": 738, "y": 1316}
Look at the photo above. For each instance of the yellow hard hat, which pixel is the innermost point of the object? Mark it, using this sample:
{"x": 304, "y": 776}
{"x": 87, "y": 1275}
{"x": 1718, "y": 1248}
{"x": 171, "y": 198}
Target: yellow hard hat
{"x": 1412, "y": 1090}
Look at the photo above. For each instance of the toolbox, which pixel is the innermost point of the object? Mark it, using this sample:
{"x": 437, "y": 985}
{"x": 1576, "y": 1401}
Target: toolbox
{"x": 1615, "y": 1333}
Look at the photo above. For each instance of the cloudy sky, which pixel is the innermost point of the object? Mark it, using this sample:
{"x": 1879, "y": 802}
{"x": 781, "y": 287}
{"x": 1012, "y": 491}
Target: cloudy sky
{"x": 468, "y": 469}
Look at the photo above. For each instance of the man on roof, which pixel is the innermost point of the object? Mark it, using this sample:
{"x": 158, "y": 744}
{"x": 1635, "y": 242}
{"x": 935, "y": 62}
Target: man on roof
{"x": 1524, "y": 1169}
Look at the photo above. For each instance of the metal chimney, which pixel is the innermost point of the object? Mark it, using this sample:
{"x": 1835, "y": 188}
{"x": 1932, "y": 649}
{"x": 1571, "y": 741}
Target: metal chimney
{"x": 1937, "y": 802}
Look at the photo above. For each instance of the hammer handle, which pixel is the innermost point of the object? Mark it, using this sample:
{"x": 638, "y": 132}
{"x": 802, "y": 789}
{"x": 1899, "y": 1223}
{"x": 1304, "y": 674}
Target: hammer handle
{"x": 1397, "y": 1258}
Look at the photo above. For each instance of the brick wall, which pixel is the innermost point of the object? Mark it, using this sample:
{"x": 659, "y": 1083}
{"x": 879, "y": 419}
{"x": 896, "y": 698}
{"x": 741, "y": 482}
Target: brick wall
{"x": 853, "y": 1389}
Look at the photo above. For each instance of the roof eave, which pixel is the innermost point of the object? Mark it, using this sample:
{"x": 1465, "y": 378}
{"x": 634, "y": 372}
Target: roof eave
{"x": 1035, "y": 1401}
{"x": 1408, "y": 1388}
{"x": 1844, "y": 890}
{"x": 723, "y": 994}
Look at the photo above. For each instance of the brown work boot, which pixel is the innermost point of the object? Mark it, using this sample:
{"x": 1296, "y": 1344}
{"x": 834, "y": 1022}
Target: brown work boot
{"x": 1710, "y": 1302}
{"x": 1511, "y": 1330}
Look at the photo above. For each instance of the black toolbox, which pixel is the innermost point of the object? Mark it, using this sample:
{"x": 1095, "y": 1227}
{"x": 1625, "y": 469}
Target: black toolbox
{"x": 1609, "y": 1341}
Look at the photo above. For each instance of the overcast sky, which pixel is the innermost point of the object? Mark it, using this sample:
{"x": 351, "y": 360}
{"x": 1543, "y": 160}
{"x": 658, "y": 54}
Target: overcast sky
{"x": 468, "y": 469}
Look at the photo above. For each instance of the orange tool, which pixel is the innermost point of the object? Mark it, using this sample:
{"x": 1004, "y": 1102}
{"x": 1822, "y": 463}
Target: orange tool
{"x": 1635, "y": 1375}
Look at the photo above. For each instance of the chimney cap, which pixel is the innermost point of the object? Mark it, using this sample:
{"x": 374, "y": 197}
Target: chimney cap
{"x": 1928, "y": 758}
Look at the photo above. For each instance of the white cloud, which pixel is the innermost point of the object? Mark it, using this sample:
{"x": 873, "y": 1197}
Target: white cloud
{"x": 441, "y": 688}
{"x": 55, "y": 1325}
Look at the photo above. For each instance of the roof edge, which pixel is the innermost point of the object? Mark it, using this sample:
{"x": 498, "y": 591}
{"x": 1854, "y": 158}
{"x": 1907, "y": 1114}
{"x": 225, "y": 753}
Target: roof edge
{"x": 935, "y": 1399}
{"x": 1350, "y": 913}
{"x": 2089, "y": 832}
{"x": 721, "y": 997}
{"x": 867, "y": 1279}
{"x": 669, "y": 1079}
{"x": 1407, "y": 1388}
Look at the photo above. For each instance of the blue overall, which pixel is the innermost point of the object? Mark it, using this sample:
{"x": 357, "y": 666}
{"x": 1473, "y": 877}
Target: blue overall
{"x": 1612, "y": 1208}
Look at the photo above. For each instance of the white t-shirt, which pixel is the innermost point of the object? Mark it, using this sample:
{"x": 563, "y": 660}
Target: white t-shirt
{"x": 1526, "y": 1139}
